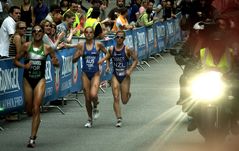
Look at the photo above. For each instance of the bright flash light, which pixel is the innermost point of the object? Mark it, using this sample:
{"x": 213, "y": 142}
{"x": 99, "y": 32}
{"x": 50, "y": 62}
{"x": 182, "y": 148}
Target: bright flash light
{"x": 208, "y": 86}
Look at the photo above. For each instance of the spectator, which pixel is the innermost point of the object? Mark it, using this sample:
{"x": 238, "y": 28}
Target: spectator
{"x": 93, "y": 22}
{"x": 82, "y": 7}
{"x": 145, "y": 19}
{"x": 103, "y": 7}
{"x": 17, "y": 39}
{"x": 122, "y": 22}
{"x": 95, "y": 3}
{"x": 64, "y": 4}
{"x": 54, "y": 16}
{"x": 75, "y": 8}
{"x": 143, "y": 7}
{"x": 114, "y": 13}
{"x": 50, "y": 37}
{"x": 4, "y": 9}
{"x": 135, "y": 11}
{"x": 186, "y": 10}
{"x": 8, "y": 28}
{"x": 168, "y": 10}
{"x": 159, "y": 10}
{"x": 66, "y": 26}
{"x": 40, "y": 11}
{"x": 27, "y": 13}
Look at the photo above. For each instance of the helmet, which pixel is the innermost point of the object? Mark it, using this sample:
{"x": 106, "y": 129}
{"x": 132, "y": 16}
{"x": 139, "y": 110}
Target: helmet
{"x": 198, "y": 26}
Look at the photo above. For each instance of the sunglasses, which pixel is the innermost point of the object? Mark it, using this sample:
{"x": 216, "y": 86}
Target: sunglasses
{"x": 119, "y": 37}
{"x": 88, "y": 32}
{"x": 37, "y": 30}
{"x": 22, "y": 28}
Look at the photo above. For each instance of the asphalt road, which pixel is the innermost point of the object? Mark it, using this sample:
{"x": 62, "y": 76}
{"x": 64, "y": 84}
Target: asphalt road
{"x": 151, "y": 120}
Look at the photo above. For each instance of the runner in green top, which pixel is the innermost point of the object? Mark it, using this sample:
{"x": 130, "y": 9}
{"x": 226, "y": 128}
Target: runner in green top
{"x": 35, "y": 54}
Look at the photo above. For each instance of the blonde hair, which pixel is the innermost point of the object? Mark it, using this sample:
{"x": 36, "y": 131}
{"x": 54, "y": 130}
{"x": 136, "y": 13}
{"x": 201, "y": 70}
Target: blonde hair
{"x": 43, "y": 22}
{"x": 19, "y": 23}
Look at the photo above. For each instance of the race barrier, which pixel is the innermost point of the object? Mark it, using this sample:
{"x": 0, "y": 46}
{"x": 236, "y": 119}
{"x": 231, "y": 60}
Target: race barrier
{"x": 66, "y": 79}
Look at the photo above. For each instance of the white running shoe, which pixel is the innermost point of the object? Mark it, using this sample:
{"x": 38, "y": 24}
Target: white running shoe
{"x": 88, "y": 124}
{"x": 96, "y": 113}
{"x": 118, "y": 123}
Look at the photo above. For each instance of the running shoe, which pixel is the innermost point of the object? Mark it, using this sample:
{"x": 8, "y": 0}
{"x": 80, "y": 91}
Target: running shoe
{"x": 119, "y": 122}
{"x": 88, "y": 124}
{"x": 96, "y": 113}
{"x": 31, "y": 142}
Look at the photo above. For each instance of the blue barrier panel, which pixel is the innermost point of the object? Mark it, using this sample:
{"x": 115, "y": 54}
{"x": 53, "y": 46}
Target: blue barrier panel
{"x": 169, "y": 33}
{"x": 140, "y": 42}
{"x": 150, "y": 41}
{"x": 11, "y": 81}
{"x": 178, "y": 34}
{"x": 161, "y": 36}
{"x": 66, "y": 56}
{"x": 129, "y": 39}
{"x": 50, "y": 92}
{"x": 106, "y": 75}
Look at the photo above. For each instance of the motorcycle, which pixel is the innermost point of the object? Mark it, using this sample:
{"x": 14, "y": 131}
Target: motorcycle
{"x": 211, "y": 104}
{"x": 208, "y": 101}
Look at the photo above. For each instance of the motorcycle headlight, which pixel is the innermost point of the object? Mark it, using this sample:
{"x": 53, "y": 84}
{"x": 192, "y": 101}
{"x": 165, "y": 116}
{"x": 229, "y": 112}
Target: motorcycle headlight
{"x": 208, "y": 86}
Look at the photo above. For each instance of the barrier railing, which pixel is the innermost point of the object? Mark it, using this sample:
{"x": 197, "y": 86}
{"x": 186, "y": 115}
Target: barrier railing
{"x": 66, "y": 79}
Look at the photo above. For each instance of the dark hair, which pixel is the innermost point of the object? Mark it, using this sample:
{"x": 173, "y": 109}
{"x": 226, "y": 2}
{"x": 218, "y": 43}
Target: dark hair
{"x": 90, "y": 28}
{"x": 120, "y": 31}
{"x": 96, "y": 1}
{"x": 123, "y": 10}
{"x": 95, "y": 12}
{"x": 54, "y": 7}
{"x": 62, "y": 1}
{"x": 74, "y": 1}
{"x": 11, "y": 10}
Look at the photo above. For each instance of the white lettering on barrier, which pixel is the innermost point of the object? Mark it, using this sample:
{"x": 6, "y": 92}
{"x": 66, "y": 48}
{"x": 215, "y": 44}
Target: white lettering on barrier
{"x": 170, "y": 27}
{"x": 48, "y": 91}
{"x": 11, "y": 102}
{"x": 150, "y": 35}
{"x": 141, "y": 38}
{"x": 135, "y": 43}
{"x": 129, "y": 41}
{"x": 66, "y": 85}
{"x": 9, "y": 80}
{"x": 160, "y": 31}
{"x": 67, "y": 65}
{"x": 48, "y": 75}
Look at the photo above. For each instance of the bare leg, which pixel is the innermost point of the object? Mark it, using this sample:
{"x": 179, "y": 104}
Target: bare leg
{"x": 28, "y": 92}
{"x": 86, "y": 88}
{"x": 38, "y": 97}
{"x": 125, "y": 90}
{"x": 95, "y": 83}
{"x": 115, "y": 90}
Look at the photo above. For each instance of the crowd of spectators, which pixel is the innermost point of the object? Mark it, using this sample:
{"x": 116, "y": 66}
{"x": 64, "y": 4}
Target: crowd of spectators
{"x": 71, "y": 17}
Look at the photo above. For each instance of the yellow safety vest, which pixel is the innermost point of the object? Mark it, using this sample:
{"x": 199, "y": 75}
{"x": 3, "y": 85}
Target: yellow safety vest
{"x": 89, "y": 13}
{"x": 91, "y": 22}
{"x": 224, "y": 64}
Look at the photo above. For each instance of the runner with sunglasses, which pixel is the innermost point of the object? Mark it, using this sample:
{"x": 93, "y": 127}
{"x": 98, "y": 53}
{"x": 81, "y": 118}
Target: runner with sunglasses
{"x": 121, "y": 55}
{"x": 90, "y": 52}
{"x": 35, "y": 53}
